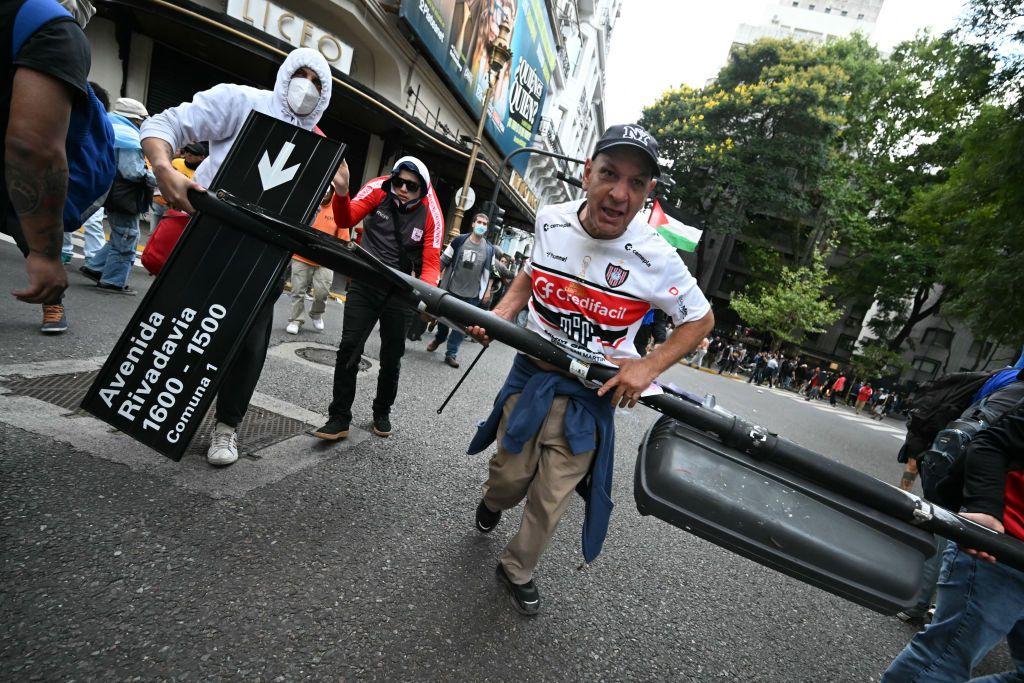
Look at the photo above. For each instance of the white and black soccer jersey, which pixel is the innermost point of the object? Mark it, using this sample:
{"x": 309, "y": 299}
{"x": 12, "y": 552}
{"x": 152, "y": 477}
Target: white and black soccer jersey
{"x": 590, "y": 296}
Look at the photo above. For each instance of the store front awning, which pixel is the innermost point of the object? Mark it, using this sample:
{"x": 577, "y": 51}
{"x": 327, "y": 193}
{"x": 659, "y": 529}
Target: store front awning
{"x": 239, "y": 48}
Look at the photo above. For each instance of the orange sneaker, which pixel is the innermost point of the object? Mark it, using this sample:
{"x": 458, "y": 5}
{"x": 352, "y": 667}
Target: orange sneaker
{"x": 54, "y": 319}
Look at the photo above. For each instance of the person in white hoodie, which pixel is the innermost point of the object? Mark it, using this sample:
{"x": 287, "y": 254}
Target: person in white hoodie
{"x": 300, "y": 96}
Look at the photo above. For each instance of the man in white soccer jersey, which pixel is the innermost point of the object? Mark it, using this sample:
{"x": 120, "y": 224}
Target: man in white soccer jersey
{"x": 594, "y": 272}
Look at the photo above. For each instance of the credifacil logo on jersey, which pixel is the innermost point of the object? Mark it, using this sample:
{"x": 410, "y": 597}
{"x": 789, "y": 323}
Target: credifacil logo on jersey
{"x": 550, "y": 292}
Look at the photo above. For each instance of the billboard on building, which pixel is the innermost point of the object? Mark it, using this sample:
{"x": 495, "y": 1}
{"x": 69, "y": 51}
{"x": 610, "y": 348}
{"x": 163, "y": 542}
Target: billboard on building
{"x": 458, "y": 35}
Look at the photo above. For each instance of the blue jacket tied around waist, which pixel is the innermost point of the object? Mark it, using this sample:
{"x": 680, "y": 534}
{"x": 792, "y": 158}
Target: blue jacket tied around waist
{"x": 589, "y": 425}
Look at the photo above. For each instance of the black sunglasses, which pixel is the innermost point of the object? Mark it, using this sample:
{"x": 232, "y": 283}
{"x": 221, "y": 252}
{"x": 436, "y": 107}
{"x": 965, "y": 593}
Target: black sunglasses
{"x": 399, "y": 182}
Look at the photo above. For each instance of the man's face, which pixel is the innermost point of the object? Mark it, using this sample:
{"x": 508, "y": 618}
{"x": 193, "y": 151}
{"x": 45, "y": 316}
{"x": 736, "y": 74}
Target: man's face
{"x": 480, "y": 220}
{"x": 310, "y": 75}
{"x": 407, "y": 187}
{"x": 616, "y": 182}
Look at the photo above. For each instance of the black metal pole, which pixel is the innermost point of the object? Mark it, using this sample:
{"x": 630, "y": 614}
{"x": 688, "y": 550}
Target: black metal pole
{"x": 746, "y": 436}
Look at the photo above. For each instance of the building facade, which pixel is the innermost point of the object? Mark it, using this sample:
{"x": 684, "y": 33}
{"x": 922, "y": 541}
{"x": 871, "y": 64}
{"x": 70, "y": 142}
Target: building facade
{"x": 814, "y": 20}
{"x": 391, "y": 97}
{"x": 573, "y": 116}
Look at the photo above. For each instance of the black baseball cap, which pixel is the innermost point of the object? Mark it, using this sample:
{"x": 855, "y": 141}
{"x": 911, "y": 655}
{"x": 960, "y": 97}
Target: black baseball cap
{"x": 196, "y": 148}
{"x": 630, "y": 135}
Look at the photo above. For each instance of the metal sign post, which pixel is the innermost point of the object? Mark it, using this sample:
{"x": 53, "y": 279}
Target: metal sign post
{"x": 162, "y": 374}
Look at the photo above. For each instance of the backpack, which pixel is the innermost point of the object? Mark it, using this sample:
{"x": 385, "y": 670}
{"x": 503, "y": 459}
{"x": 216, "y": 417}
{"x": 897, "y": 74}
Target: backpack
{"x": 933, "y": 405}
{"x": 89, "y": 143}
{"x": 943, "y": 466}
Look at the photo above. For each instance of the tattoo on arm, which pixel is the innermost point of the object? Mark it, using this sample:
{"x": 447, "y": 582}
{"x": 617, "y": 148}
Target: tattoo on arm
{"x": 37, "y": 195}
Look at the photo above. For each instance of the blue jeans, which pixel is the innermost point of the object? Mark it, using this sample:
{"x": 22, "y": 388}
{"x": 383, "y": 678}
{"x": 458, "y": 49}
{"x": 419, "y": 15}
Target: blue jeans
{"x": 454, "y": 337}
{"x": 114, "y": 261}
{"x": 979, "y": 604}
{"x": 94, "y": 237}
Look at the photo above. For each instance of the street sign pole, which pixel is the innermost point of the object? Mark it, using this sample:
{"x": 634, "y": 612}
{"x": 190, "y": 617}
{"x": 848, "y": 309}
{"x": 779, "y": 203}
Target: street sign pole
{"x": 159, "y": 380}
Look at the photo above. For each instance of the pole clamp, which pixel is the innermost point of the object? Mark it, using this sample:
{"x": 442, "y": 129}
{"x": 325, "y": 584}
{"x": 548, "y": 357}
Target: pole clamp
{"x": 923, "y": 511}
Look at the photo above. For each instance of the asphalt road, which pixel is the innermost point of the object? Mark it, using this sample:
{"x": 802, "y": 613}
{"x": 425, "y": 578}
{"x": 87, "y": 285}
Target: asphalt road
{"x": 361, "y": 562}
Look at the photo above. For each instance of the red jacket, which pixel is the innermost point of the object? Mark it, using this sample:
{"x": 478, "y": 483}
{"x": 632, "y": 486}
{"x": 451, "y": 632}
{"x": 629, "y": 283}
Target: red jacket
{"x": 864, "y": 393}
{"x": 348, "y": 212}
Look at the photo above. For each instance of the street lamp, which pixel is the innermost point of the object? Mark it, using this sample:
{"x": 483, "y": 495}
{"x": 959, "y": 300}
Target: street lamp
{"x": 500, "y": 56}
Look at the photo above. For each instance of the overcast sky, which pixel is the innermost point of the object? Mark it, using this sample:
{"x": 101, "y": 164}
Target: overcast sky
{"x": 659, "y": 44}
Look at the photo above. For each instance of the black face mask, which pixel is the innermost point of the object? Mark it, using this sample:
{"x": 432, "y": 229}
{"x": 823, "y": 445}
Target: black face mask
{"x": 195, "y": 165}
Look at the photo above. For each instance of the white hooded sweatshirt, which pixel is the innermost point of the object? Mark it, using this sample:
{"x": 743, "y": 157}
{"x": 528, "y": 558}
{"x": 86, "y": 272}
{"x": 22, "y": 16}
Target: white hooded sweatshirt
{"x": 216, "y": 115}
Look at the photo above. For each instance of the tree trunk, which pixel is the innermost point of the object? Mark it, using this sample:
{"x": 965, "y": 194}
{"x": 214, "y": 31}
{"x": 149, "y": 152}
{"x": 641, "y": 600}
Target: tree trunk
{"x": 917, "y": 314}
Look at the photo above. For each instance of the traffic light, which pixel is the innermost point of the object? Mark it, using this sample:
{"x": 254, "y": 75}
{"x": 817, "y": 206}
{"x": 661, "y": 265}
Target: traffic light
{"x": 497, "y": 218}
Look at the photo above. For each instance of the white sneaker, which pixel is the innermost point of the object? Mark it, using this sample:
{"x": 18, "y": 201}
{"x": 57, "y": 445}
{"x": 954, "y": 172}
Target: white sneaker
{"x": 224, "y": 447}
{"x": 318, "y": 323}
{"x": 293, "y": 327}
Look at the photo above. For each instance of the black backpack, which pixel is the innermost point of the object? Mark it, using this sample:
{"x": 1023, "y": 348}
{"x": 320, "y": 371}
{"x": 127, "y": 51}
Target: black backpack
{"x": 943, "y": 466}
{"x": 933, "y": 405}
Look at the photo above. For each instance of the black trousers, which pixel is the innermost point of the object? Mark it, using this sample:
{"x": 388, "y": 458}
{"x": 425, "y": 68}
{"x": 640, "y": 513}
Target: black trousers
{"x": 243, "y": 374}
{"x": 364, "y": 306}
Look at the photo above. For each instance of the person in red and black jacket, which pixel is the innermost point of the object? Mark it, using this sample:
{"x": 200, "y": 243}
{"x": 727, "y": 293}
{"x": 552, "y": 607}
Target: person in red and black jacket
{"x": 403, "y": 227}
{"x": 980, "y": 601}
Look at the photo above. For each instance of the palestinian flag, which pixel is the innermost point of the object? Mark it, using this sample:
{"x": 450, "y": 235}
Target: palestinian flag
{"x": 679, "y": 235}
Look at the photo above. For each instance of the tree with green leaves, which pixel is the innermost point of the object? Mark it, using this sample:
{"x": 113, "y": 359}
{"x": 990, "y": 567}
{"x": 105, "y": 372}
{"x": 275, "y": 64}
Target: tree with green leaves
{"x": 791, "y": 308}
{"x": 979, "y": 212}
{"x": 758, "y": 151}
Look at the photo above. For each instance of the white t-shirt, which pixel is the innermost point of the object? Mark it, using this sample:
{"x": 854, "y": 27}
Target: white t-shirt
{"x": 590, "y": 295}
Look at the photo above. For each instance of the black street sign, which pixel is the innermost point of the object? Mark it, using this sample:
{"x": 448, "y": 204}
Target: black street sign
{"x": 159, "y": 380}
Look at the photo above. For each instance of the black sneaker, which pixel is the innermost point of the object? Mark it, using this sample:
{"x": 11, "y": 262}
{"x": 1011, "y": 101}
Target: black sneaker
{"x": 381, "y": 425}
{"x": 525, "y": 597}
{"x": 335, "y": 429}
{"x": 114, "y": 289}
{"x": 485, "y": 519}
{"x": 93, "y": 275}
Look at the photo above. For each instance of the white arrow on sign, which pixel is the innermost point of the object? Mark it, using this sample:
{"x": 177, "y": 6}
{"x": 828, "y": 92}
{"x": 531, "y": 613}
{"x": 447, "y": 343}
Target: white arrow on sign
{"x": 273, "y": 174}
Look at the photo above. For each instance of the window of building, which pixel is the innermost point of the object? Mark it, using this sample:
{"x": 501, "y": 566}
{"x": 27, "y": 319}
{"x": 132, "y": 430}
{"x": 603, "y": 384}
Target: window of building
{"x": 810, "y": 7}
{"x": 936, "y": 336}
{"x": 795, "y": 3}
{"x": 828, "y": 10}
{"x": 845, "y": 344}
{"x": 980, "y": 349}
{"x": 860, "y": 16}
{"x": 925, "y": 368}
{"x": 843, "y": 13}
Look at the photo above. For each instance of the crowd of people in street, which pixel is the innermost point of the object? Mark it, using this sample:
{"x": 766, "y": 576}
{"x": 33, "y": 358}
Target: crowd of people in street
{"x": 795, "y": 373}
{"x": 69, "y": 152}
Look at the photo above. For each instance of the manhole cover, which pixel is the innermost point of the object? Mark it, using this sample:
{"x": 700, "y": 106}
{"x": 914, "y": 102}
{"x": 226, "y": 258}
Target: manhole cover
{"x": 260, "y": 428}
{"x": 327, "y": 357}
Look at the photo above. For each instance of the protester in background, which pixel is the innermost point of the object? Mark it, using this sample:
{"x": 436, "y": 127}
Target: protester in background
{"x": 881, "y": 407}
{"x": 863, "y": 394}
{"x": 129, "y": 197}
{"x": 57, "y": 157}
{"x": 186, "y": 164}
{"x": 403, "y": 227}
{"x": 300, "y": 96}
{"x": 714, "y": 351}
{"x": 837, "y": 389}
{"x": 980, "y": 600}
{"x": 306, "y": 274}
{"x": 652, "y": 329}
{"x": 501, "y": 280}
{"x": 814, "y": 384}
{"x": 772, "y": 370}
{"x": 469, "y": 263}
{"x": 702, "y": 350}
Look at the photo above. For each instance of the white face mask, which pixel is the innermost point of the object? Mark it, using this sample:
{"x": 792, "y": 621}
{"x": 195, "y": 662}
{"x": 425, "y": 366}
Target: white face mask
{"x": 302, "y": 96}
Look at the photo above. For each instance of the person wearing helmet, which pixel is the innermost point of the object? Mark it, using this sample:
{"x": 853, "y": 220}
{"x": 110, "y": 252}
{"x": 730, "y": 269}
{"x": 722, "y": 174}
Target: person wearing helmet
{"x": 403, "y": 227}
{"x": 300, "y": 96}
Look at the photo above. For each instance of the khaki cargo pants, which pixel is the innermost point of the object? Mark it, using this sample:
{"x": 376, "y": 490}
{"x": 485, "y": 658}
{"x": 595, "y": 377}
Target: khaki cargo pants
{"x": 546, "y": 473}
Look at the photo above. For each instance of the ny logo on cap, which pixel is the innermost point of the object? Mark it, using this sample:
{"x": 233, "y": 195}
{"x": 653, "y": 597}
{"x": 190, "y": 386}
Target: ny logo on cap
{"x": 636, "y": 133}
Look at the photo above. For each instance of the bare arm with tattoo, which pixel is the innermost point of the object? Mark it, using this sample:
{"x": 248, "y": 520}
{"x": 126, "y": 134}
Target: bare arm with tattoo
{"x": 36, "y": 170}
